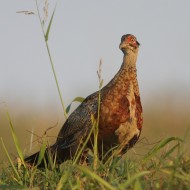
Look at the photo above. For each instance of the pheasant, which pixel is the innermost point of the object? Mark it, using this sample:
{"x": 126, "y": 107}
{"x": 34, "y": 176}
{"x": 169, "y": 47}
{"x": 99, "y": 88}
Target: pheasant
{"x": 120, "y": 118}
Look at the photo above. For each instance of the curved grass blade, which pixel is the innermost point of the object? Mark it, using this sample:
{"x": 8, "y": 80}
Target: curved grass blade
{"x": 162, "y": 143}
{"x": 138, "y": 185}
{"x": 50, "y": 57}
{"x": 42, "y": 152}
{"x": 77, "y": 99}
{"x": 12, "y": 164}
{"x": 183, "y": 176}
{"x": 132, "y": 179}
{"x": 62, "y": 181}
{"x": 49, "y": 25}
{"x": 96, "y": 177}
{"x": 169, "y": 152}
{"x": 80, "y": 149}
{"x": 16, "y": 141}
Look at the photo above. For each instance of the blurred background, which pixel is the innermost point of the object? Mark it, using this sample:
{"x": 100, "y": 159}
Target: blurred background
{"x": 82, "y": 33}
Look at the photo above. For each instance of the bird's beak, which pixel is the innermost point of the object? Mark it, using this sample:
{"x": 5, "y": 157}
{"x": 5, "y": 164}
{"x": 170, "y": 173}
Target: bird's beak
{"x": 138, "y": 44}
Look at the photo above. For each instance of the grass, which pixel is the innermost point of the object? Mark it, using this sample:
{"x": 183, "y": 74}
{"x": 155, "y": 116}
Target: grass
{"x": 164, "y": 166}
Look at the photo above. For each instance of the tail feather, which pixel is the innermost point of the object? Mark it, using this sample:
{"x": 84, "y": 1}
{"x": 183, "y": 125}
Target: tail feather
{"x": 33, "y": 160}
{"x": 54, "y": 153}
{"x": 49, "y": 154}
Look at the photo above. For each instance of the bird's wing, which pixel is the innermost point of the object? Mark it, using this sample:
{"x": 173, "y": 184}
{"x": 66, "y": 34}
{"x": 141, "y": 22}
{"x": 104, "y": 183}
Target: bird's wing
{"x": 79, "y": 123}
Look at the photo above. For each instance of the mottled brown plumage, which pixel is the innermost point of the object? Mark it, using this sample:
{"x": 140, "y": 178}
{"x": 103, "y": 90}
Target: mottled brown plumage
{"x": 120, "y": 120}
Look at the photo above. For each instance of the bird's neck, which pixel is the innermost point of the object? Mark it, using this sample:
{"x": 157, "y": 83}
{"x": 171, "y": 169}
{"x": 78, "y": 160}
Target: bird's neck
{"x": 126, "y": 73}
{"x": 129, "y": 60}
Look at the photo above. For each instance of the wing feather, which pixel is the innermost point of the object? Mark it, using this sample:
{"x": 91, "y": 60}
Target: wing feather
{"x": 79, "y": 123}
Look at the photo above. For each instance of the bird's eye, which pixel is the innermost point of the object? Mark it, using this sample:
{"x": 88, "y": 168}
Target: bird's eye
{"x": 132, "y": 39}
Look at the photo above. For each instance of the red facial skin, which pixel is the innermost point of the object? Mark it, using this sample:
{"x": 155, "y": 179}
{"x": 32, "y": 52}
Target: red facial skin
{"x": 132, "y": 41}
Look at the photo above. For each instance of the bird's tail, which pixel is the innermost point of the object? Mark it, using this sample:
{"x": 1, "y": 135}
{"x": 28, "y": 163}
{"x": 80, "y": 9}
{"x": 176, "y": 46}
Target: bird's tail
{"x": 33, "y": 159}
{"x": 48, "y": 157}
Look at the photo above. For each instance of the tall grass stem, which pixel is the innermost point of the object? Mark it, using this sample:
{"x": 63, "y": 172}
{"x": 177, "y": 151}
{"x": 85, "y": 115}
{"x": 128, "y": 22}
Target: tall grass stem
{"x": 49, "y": 54}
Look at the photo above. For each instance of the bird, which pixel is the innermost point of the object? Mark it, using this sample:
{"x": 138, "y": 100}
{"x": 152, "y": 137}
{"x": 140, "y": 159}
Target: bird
{"x": 120, "y": 112}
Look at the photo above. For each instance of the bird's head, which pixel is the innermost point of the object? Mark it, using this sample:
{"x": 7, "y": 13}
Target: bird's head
{"x": 129, "y": 44}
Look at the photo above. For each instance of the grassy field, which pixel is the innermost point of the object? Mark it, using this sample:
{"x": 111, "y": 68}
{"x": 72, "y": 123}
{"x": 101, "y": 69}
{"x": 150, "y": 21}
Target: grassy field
{"x": 160, "y": 160}
{"x": 164, "y": 166}
{"x": 151, "y": 164}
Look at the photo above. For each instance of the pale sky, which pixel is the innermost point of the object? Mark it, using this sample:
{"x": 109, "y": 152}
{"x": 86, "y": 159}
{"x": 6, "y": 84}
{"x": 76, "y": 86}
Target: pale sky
{"x": 82, "y": 33}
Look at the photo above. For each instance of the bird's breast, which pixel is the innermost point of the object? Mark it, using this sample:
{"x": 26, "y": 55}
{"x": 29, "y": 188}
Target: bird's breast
{"x": 117, "y": 113}
{"x": 120, "y": 119}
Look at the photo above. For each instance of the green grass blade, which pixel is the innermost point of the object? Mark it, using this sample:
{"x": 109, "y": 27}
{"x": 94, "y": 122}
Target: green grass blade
{"x": 169, "y": 152}
{"x": 42, "y": 152}
{"x": 137, "y": 185}
{"x": 80, "y": 150}
{"x": 162, "y": 143}
{"x": 77, "y": 99}
{"x": 96, "y": 177}
{"x": 132, "y": 179}
{"x": 50, "y": 57}
{"x": 183, "y": 177}
{"x": 16, "y": 141}
{"x": 95, "y": 145}
{"x": 11, "y": 162}
{"x": 49, "y": 25}
{"x": 62, "y": 181}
